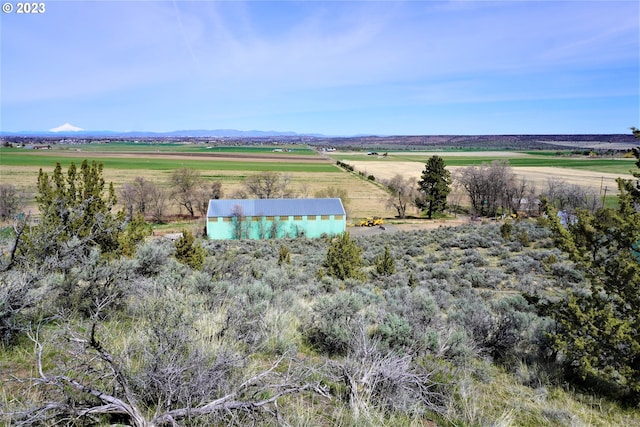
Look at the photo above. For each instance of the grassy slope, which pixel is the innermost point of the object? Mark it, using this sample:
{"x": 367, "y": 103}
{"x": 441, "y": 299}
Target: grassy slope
{"x": 487, "y": 394}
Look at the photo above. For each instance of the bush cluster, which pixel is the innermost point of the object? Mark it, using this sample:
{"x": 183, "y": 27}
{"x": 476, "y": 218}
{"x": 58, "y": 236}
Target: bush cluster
{"x": 438, "y": 301}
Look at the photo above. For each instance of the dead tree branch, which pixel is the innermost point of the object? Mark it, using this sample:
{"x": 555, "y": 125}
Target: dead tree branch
{"x": 107, "y": 389}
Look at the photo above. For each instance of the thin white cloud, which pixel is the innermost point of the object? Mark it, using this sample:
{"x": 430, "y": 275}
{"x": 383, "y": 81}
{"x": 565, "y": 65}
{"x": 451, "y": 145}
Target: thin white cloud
{"x": 223, "y": 59}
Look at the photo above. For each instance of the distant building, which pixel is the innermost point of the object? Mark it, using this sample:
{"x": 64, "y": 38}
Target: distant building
{"x": 567, "y": 218}
{"x": 275, "y": 218}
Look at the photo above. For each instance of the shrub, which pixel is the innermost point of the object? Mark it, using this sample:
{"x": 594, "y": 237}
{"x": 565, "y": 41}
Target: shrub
{"x": 385, "y": 263}
{"x": 330, "y": 326}
{"x": 151, "y": 257}
{"x": 95, "y": 282}
{"x": 566, "y": 272}
{"x": 395, "y": 333}
{"x": 16, "y": 297}
{"x": 473, "y": 257}
{"x": 521, "y": 264}
{"x": 344, "y": 258}
{"x": 505, "y": 230}
{"x": 284, "y": 255}
{"x": 188, "y": 252}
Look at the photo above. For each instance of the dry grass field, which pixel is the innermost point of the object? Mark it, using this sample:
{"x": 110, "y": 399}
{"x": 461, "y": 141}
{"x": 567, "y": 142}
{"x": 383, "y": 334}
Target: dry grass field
{"x": 411, "y": 165}
{"x": 539, "y": 176}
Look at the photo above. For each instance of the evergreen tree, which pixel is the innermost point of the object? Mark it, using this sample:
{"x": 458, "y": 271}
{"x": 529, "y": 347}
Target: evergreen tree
{"x": 344, "y": 258}
{"x": 385, "y": 263}
{"x": 434, "y": 186}
{"x": 135, "y": 232}
{"x": 188, "y": 252}
{"x": 598, "y": 330}
{"x": 75, "y": 214}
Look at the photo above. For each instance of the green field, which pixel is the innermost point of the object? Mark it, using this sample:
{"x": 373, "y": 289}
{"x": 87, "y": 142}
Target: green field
{"x": 13, "y": 157}
{"x": 608, "y": 165}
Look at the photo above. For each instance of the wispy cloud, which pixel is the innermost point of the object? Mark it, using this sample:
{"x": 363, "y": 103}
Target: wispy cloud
{"x": 217, "y": 60}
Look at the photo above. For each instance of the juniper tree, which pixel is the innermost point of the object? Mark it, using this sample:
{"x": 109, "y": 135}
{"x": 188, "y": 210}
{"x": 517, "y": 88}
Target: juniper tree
{"x": 134, "y": 232}
{"x": 75, "y": 214}
{"x": 598, "y": 330}
{"x": 188, "y": 251}
{"x": 635, "y": 192}
{"x": 385, "y": 263}
{"x": 344, "y": 258}
{"x": 434, "y": 186}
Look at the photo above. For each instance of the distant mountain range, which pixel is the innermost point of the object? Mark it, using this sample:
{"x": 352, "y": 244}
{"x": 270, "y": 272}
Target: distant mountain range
{"x": 379, "y": 142}
{"x": 68, "y": 130}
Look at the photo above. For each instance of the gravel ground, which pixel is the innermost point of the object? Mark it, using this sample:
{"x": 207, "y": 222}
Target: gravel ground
{"x": 410, "y": 225}
{"x": 370, "y": 231}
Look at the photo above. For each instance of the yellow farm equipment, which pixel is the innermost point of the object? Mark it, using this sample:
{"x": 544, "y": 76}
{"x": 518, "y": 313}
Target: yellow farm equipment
{"x": 371, "y": 222}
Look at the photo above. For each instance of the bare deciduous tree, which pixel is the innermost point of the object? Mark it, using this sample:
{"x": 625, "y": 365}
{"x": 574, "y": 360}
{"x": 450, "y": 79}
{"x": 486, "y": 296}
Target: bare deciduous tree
{"x": 239, "y": 222}
{"x": 127, "y": 195}
{"x": 184, "y": 183}
{"x": 569, "y": 197}
{"x": 205, "y": 193}
{"x": 136, "y": 196}
{"x": 192, "y": 192}
{"x": 269, "y": 185}
{"x": 16, "y": 296}
{"x": 401, "y": 194}
{"x": 335, "y": 192}
{"x": 11, "y": 201}
{"x": 492, "y": 187}
{"x": 519, "y": 196}
{"x": 159, "y": 197}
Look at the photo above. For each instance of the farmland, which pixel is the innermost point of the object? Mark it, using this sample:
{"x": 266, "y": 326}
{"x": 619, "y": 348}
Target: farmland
{"x": 594, "y": 173}
{"x": 308, "y": 171}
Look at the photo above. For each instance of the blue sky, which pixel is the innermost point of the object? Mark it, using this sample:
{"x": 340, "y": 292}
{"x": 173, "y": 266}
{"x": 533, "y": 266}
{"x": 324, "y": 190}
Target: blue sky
{"x": 337, "y": 67}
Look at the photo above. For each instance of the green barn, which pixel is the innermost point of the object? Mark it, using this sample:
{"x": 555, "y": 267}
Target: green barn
{"x": 275, "y": 218}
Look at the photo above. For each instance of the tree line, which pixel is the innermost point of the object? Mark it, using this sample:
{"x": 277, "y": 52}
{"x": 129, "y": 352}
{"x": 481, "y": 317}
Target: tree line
{"x": 186, "y": 189}
{"x": 491, "y": 189}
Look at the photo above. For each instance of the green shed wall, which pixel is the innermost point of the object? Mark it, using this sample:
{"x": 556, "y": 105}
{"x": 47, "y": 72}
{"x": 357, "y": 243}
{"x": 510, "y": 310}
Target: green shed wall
{"x": 283, "y": 226}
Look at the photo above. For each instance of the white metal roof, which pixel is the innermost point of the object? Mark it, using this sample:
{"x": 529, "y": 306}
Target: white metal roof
{"x": 273, "y": 207}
